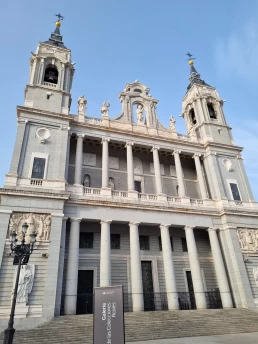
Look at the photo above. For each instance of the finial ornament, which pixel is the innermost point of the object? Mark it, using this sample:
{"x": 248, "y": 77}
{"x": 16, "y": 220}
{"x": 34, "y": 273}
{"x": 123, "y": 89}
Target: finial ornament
{"x": 190, "y": 59}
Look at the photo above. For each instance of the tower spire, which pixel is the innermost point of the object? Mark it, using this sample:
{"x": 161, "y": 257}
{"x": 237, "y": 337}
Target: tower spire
{"x": 195, "y": 77}
{"x": 56, "y": 38}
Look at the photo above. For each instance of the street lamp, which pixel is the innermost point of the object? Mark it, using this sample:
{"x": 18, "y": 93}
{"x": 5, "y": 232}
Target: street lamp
{"x": 21, "y": 254}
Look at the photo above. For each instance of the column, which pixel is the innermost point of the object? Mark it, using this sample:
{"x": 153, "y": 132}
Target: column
{"x": 136, "y": 268}
{"x": 169, "y": 269}
{"x": 130, "y": 167}
{"x": 41, "y": 69}
{"x": 157, "y": 169}
{"x": 105, "y": 162}
{"x": 61, "y": 268}
{"x": 179, "y": 174}
{"x": 199, "y": 291}
{"x": 200, "y": 176}
{"x": 105, "y": 254}
{"x": 72, "y": 267}
{"x": 220, "y": 269}
{"x": 67, "y": 154}
{"x": 4, "y": 229}
{"x": 50, "y": 290}
{"x": 78, "y": 160}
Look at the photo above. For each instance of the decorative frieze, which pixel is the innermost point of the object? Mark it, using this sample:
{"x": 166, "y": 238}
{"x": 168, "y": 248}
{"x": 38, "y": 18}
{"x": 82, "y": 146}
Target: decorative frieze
{"x": 248, "y": 239}
{"x": 39, "y": 223}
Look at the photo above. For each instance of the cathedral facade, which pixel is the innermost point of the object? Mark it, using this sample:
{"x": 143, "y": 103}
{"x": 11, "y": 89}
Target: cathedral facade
{"x": 125, "y": 201}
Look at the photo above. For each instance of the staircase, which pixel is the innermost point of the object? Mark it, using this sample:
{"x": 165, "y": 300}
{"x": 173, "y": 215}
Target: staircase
{"x": 144, "y": 326}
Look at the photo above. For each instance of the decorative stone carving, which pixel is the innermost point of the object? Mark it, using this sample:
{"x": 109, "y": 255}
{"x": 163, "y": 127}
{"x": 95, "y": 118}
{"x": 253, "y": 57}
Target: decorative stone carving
{"x": 39, "y": 223}
{"x": 255, "y": 273}
{"x": 228, "y": 164}
{"x": 43, "y": 134}
{"x": 25, "y": 282}
{"x": 137, "y": 166}
{"x": 139, "y": 113}
{"x": 82, "y": 102}
{"x": 104, "y": 109}
{"x": 86, "y": 182}
{"x": 89, "y": 159}
{"x": 111, "y": 183}
{"x": 248, "y": 239}
{"x": 172, "y": 124}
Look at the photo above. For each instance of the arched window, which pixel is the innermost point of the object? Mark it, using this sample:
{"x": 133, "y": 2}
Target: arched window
{"x": 192, "y": 116}
{"x": 111, "y": 183}
{"x": 86, "y": 181}
{"x": 51, "y": 74}
{"x": 211, "y": 110}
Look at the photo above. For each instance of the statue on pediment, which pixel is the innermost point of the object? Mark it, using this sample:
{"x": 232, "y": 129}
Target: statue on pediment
{"x": 104, "y": 109}
{"x": 139, "y": 113}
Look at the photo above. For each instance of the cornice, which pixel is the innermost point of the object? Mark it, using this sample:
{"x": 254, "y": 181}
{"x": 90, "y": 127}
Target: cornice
{"x": 30, "y": 193}
{"x": 222, "y": 145}
{"x": 43, "y": 112}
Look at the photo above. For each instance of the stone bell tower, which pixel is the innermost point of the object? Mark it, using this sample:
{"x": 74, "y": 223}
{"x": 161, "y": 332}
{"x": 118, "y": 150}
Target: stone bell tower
{"x": 51, "y": 75}
{"x": 202, "y": 110}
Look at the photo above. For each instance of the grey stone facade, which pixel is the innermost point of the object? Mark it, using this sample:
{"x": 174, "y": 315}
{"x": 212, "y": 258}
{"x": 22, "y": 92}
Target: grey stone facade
{"x": 132, "y": 177}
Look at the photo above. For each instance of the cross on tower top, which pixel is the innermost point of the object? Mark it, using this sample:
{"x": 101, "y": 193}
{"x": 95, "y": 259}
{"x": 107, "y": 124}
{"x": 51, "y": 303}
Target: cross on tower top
{"x": 59, "y": 16}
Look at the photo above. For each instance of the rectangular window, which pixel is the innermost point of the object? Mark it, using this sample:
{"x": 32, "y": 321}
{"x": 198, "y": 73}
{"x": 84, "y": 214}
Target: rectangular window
{"x": 38, "y": 168}
{"x": 184, "y": 244}
{"x": 235, "y": 191}
{"x": 138, "y": 186}
{"x": 115, "y": 241}
{"x": 160, "y": 243}
{"x": 144, "y": 242}
{"x": 86, "y": 240}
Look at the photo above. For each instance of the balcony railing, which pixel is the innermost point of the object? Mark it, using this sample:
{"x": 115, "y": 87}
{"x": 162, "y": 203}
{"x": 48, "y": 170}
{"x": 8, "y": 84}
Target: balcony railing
{"x": 92, "y": 191}
{"x": 119, "y": 194}
{"x": 153, "y": 301}
{"x": 49, "y": 84}
{"x": 147, "y": 197}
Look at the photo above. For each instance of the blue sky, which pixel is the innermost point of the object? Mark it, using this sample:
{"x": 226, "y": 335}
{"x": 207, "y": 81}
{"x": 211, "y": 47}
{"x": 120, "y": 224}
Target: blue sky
{"x": 114, "y": 42}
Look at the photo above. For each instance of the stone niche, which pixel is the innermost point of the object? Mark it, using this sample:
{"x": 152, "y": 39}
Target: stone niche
{"x": 39, "y": 223}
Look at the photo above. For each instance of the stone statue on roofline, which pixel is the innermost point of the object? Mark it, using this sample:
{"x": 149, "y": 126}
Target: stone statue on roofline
{"x": 104, "y": 109}
{"x": 172, "y": 123}
{"x": 82, "y": 102}
{"x": 139, "y": 113}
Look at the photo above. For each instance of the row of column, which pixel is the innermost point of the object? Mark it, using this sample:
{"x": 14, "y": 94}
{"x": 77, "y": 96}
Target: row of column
{"x": 136, "y": 272}
{"x": 130, "y": 168}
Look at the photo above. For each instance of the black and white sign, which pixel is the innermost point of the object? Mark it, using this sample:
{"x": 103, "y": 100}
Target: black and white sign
{"x": 109, "y": 315}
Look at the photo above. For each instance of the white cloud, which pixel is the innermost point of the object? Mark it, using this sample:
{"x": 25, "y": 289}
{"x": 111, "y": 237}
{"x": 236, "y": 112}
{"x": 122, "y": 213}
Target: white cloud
{"x": 238, "y": 53}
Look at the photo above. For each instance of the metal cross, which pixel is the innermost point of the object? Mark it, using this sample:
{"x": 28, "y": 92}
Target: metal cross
{"x": 190, "y": 57}
{"x": 60, "y": 17}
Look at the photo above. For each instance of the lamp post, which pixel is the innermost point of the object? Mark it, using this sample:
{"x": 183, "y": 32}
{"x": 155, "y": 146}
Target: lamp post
{"x": 21, "y": 254}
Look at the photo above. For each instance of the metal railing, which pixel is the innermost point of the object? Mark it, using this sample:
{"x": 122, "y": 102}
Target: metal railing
{"x": 153, "y": 301}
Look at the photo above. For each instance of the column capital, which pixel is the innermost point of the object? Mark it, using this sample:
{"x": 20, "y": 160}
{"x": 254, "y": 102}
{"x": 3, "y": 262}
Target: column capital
{"x": 164, "y": 226}
{"x": 75, "y": 219}
{"x": 129, "y": 143}
{"x": 65, "y": 218}
{"x": 134, "y": 223}
{"x": 80, "y": 135}
{"x": 176, "y": 151}
{"x": 212, "y": 229}
{"x": 197, "y": 155}
{"x": 57, "y": 215}
{"x": 105, "y": 139}
{"x": 154, "y": 148}
{"x": 105, "y": 221}
{"x": 188, "y": 228}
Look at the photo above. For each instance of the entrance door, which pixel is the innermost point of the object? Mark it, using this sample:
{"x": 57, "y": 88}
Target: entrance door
{"x": 148, "y": 295}
{"x": 191, "y": 289}
{"x": 85, "y": 292}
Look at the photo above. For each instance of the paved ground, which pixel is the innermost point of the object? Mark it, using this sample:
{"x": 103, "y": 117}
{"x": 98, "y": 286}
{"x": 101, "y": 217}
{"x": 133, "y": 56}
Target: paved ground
{"x": 245, "y": 338}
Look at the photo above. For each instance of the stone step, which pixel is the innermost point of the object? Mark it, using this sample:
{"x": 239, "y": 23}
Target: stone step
{"x": 144, "y": 326}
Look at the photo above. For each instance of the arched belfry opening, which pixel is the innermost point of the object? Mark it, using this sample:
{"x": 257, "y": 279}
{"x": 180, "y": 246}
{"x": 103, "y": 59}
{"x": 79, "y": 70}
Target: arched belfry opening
{"x": 212, "y": 112}
{"x": 192, "y": 116}
{"x": 51, "y": 74}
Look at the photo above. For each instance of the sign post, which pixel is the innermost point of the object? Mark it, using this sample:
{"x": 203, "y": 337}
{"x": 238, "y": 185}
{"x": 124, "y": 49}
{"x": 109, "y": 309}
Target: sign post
{"x": 108, "y": 325}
